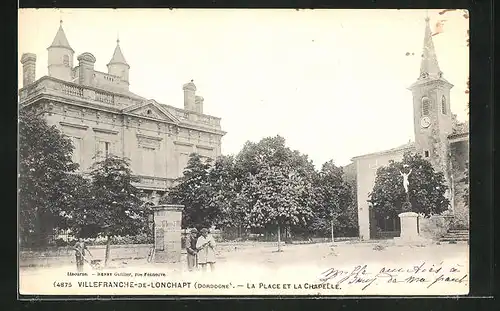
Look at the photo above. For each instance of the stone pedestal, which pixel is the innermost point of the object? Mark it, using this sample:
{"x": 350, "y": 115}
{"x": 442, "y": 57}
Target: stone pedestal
{"x": 409, "y": 229}
{"x": 167, "y": 244}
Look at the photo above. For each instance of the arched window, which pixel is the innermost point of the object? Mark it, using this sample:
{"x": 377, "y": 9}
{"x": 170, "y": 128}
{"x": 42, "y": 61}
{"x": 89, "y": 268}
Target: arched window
{"x": 426, "y": 103}
{"x": 443, "y": 104}
{"x": 66, "y": 60}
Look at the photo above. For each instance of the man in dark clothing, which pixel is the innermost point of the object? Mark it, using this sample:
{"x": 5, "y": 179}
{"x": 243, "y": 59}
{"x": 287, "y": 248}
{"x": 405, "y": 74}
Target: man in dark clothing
{"x": 191, "y": 249}
{"x": 80, "y": 248}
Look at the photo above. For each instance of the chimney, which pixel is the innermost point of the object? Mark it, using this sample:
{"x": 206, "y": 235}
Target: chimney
{"x": 28, "y": 60}
{"x": 189, "y": 96}
{"x": 86, "y": 63}
{"x": 199, "y": 104}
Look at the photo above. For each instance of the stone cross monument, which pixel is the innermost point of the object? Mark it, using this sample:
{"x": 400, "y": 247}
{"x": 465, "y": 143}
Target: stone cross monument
{"x": 409, "y": 220}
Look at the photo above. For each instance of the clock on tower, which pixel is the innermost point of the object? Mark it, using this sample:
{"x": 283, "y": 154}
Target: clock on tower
{"x": 431, "y": 93}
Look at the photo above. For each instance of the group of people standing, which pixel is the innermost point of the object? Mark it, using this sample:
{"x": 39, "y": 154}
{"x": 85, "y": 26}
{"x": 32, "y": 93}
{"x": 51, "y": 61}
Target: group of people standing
{"x": 200, "y": 250}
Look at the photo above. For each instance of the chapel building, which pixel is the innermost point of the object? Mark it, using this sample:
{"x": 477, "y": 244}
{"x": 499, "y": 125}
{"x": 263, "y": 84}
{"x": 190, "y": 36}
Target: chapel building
{"x": 439, "y": 138}
{"x": 102, "y": 116}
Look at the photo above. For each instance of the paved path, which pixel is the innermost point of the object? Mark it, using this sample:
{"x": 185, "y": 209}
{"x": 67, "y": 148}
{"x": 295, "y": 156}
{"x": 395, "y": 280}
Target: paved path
{"x": 295, "y": 264}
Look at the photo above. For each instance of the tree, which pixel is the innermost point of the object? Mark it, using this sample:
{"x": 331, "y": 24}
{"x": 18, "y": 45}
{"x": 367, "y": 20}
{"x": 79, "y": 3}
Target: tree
{"x": 278, "y": 188}
{"x": 75, "y": 201}
{"x": 44, "y": 163}
{"x": 426, "y": 191}
{"x": 195, "y": 192}
{"x": 334, "y": 212}
{"x": 277, "y": 198}
{"x": 115, "y": 207}
{"x": 352, "y": 227}
{"x": 226, "y": 186}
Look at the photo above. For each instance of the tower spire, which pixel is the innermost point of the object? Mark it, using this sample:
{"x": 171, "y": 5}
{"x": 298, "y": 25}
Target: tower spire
{"x": 60, "y": 39}
{"x": 118, "y": 66}
{"x": 429, "y": 67}
{"x": 118, "y": 57}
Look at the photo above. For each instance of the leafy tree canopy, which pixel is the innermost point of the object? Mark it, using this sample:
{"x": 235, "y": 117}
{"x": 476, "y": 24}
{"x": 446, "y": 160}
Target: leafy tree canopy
{"x": 227, "y": 184}
{"x": 115, "y": 207}
{"x": 427, "y": 188}
{"x": 44, "y": 164}
{"x": 195, "y": 192}
{"x": 279, "y": 184}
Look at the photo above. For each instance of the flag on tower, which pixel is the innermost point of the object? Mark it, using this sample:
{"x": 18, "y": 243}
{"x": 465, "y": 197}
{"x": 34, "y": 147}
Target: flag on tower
{"x": 439, "y": 27}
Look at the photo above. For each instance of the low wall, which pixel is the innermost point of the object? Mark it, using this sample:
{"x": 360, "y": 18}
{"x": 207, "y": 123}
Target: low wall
{"x": 66, "y": 255}
{"x": 434, "y": 227}
{"x": 59, "y": 256}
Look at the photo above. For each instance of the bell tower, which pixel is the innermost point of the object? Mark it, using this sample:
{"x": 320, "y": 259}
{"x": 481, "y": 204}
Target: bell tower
{"x": 431, "y": 109}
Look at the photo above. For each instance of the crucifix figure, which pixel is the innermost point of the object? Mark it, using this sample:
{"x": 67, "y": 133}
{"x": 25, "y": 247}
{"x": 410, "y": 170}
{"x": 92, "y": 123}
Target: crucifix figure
{"x": 405, "y": 180}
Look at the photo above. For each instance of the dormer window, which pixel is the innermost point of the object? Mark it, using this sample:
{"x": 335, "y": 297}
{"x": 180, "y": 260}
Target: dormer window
{"x": 426, "y": 103}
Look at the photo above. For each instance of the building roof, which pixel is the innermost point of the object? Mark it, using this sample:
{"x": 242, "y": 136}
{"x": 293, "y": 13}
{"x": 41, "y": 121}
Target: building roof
{"x": 189, "y": 86}
{"x": 408, "y": 146}
{"x": 118, "y": 57}
{"x": 460, "y": 136}
{"x": 429, "y": 66}
{"x": 429, "y": 63}
{"x": 60, "y": 39}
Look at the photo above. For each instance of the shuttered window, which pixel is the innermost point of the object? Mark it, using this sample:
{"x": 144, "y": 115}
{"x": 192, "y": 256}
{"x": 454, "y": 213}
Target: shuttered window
{"x": 443, "y": 105}
{"x": 426, "y": 103}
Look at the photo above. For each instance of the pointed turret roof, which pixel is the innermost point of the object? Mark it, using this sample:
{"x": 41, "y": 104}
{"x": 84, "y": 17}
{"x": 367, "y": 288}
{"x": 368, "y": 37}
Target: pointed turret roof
{"x": 429, "y": 66}
{"x": 60, "y": 39}
{"x": 189, "y": 86}
{"x": 118, "y": 57}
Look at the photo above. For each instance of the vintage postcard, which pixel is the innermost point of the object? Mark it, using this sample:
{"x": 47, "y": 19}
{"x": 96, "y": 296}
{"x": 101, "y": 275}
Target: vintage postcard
{"x": 243, "y": 152}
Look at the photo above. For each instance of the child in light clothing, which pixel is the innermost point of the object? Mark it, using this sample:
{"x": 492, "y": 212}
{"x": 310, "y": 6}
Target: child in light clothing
{"x": 206, "y": 250}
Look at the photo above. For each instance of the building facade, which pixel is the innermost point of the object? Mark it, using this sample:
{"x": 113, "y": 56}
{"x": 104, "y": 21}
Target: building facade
{"x": 439, "y": 138}
{"x": 102, "y": 116}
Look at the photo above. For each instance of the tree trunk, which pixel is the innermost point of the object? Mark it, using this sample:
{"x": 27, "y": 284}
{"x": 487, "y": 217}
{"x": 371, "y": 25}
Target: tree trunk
{"x": 279, "y": 239}
{"x": 333, "y": 240}
{"x": 108, "y": 246}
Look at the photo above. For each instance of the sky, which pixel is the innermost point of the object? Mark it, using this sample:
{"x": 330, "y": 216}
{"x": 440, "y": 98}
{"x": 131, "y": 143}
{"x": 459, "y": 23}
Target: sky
{"x": 333, "y": 83}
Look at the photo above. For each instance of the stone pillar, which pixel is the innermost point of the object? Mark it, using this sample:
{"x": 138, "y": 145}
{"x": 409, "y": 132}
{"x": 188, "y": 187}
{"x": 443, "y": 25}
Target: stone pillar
{"x": 409, "y": 229}
{"x": 167, "y": 221}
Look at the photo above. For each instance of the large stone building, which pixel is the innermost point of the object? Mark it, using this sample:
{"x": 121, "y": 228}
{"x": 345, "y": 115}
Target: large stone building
{"x": 439, "y": 137}
{"x": 102, "y": 116}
